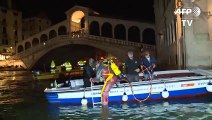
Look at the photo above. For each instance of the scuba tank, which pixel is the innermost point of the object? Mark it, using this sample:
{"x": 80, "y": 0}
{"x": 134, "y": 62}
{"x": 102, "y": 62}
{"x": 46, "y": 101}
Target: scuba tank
{"x": 114, "y": 68}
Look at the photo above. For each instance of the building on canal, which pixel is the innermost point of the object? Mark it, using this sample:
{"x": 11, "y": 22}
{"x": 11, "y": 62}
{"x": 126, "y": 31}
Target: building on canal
{"x": 184, "y": 44}
{"x": 13, "y": 29}
{"x": 34, "y": 25}
{"x": 10, "y": 29}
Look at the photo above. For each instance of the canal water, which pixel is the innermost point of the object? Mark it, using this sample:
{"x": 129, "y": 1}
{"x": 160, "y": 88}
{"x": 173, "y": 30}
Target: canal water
{"x": 22, "y": 98}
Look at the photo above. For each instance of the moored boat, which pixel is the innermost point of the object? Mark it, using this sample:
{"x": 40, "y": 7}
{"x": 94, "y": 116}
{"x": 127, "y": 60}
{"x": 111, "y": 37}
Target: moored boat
{"x": 166, "y": 85}
{"x": 57, "y": 75}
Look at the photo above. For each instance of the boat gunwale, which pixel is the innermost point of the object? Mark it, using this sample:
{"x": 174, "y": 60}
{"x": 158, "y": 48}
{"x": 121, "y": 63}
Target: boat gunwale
{"x": 98, "y": 87}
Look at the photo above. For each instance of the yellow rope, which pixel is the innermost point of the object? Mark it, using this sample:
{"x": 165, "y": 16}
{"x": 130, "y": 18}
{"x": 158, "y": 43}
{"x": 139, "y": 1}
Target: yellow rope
{"x": 110, "y": 75}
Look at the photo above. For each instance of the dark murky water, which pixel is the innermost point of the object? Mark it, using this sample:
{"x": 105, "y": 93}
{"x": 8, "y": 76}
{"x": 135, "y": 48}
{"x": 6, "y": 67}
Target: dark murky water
{"x": 22, "y": 98}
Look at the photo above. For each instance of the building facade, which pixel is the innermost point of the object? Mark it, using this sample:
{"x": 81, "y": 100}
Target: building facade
{"x": 14, "y": 29}
{"x": 10, "y": 29}
{"x": 183, "y": 45}
{"x": 34, "y": 25}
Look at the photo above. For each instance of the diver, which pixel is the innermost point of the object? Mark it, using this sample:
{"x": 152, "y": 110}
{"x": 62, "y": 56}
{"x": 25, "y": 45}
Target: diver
{"x": 111, "y": 74}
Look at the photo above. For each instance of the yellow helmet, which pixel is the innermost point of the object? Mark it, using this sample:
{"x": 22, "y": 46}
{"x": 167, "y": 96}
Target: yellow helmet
{"x": 105, "y": 62}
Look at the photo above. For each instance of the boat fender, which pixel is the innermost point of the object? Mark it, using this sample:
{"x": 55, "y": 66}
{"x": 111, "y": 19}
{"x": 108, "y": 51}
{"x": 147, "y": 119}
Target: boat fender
{"x": 165, "y": 93}
{"x": 52, "y": 85}
{"x": 209, "y": 87}
{"x": 84, "y": 101}
{"x": 124, "y": 97}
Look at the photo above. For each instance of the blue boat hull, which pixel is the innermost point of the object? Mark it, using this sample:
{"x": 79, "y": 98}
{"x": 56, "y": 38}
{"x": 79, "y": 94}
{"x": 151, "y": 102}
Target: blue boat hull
{"x": 53, "y": 97}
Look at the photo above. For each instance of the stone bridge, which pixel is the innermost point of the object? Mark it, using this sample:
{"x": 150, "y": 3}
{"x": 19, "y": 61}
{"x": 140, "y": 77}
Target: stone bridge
{"x": 86, "y": 27}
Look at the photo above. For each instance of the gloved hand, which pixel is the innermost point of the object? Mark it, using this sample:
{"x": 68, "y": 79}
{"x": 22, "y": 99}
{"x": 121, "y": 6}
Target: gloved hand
{"x": 121, "y": 77}
{"x": 137, "y": 70}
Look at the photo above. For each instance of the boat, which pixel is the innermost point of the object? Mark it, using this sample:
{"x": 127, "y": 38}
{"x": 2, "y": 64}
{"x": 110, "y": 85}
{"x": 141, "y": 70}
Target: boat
{"x": 57, "y": 75}
{"x": 166, "y": 85}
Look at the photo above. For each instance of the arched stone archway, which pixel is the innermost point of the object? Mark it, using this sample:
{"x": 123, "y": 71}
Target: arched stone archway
{"x": 134, "y": 34}
{"x": 27, "y": 45}
{"x": 107, "y": 30}
{"x": 43, "y": 38}
{"x": 20, "y": 48}
{"x": 120, "y": 32}
{"x": 35, "y": 42}
{"x": 119, "y": 52}
{"x": 77, "y": 20}
{"x": 62, "y": 30}
{"x": 94, "y": 28}
{"x": 149, "y": 36}
{"x": 82, "y": 22}
{"x": 52, "y": 34}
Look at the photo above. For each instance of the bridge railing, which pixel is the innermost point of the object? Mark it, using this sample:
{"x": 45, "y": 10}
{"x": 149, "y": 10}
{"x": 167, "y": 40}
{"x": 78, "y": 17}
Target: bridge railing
{"x": 80, "y": 34}
{"x": 44, "y": 45}
{"x": 122, "y": 42}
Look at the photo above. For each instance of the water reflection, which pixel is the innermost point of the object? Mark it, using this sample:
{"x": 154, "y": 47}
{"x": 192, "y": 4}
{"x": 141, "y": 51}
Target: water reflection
{"x": 22, "y": 98}
{"x": 161, "y": 110}
{"x": 15, "y": 86}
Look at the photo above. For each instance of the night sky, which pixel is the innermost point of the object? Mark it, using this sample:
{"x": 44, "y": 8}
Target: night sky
{"x": 55, "y": 9}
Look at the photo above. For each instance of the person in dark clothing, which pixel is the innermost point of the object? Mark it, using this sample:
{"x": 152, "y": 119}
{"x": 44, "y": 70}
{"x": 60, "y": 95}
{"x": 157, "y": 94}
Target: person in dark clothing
{"x": 148, "y": 64}
{"x": 89, "y": 73}
{"x": 132, "y": 68}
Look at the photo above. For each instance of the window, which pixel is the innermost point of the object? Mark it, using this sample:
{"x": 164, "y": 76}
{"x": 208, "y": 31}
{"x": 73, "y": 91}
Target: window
{"x": 4, "y": 21}
{"x": 4, "y": 10}
{"x": 4, "y": 30}
{"x": 16, "y": 33}
{"x": 5, "y": 41}
{"x": 15, "y": 13}
{"x": 16, "y": 22}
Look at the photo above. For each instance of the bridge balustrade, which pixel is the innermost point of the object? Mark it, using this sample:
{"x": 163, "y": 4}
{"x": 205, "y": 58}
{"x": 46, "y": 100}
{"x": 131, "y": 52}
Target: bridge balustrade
{"x": 80, "y": 34}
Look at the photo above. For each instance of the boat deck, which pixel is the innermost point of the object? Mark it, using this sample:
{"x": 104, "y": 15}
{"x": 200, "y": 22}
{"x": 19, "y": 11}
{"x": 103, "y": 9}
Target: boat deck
{"x": 160, "y": 77}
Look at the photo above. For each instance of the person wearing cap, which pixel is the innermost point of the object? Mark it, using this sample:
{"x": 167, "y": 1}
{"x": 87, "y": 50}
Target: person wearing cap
{"x": 89, "y": 73}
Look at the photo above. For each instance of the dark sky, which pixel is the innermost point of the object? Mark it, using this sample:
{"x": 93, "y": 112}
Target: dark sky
{"x": 55, "y": 9}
